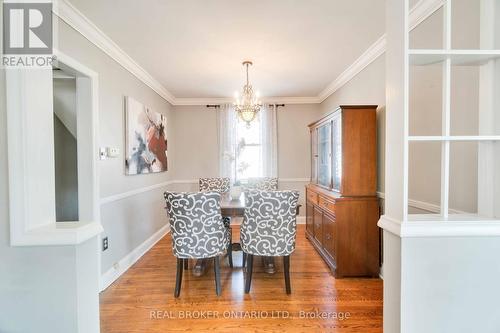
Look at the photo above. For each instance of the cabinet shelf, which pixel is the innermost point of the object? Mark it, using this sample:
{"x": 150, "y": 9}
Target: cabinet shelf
{"x": 422, "y": 57}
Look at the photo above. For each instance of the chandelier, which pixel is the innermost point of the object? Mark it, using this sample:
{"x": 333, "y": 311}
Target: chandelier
{"x": 248, "y": 105}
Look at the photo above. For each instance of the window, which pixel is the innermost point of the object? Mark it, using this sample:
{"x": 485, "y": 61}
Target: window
{"x": 247, "y": 151}
{"x": 248, "y": 155}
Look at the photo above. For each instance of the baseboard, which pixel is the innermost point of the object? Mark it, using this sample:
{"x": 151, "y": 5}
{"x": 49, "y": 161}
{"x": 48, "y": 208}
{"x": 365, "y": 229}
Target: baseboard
{"x": 124, "y": 264}
{"x": 301, "y": 220}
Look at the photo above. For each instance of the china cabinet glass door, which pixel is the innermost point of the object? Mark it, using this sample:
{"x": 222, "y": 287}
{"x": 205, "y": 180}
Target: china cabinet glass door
{"x": 337, "y": 152}
{"x": 324, "y": 155}
{"x": 314, "y": 155}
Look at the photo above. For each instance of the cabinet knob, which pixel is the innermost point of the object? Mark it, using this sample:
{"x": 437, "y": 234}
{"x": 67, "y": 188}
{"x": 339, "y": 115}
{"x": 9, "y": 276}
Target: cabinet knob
{"x": 328, "y": 237}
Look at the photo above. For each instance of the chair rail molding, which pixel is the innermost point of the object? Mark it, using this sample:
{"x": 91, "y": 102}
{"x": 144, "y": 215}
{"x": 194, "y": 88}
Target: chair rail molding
{"x": 126, "y": 194}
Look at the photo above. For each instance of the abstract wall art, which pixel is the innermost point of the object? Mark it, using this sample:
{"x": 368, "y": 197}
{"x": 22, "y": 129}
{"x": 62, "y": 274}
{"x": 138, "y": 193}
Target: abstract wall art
{"x": 146, "y": 139}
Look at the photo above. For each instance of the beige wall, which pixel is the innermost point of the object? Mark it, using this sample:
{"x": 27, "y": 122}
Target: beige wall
{"x": 368, "y": 87}
{"x": 196, "y": 151}
{"x": 128, "y": 222}
{"x": 196, "y": 143}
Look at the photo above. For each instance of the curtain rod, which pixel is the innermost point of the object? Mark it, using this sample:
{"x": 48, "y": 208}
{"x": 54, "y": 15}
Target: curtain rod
{"x": 216, "y": 106}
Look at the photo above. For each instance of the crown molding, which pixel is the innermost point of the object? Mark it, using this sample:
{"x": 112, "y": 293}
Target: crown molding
{"x": 74, "y": 18}
{"x": 421, "y": 11}
{"x": 225, "y": 100}
{"x": 370, "y": 55}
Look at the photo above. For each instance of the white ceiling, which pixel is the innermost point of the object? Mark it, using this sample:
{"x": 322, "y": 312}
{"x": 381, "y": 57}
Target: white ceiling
{"x": 194, "y": 48}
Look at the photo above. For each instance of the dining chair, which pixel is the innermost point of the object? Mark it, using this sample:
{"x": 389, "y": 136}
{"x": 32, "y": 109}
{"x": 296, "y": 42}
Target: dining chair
{"x": 197, "y": 230}
{"x": 262, "y": 183}
{"x": 217, "y": 184}
{"x": 222, "y": 186}
{"x": 269, "y": 228}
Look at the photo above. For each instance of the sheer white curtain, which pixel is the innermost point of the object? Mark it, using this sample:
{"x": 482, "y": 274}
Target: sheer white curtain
{"x": 226, "y": 118}
{"x": 269, "y": 139}
{"x": 230, "y": 143}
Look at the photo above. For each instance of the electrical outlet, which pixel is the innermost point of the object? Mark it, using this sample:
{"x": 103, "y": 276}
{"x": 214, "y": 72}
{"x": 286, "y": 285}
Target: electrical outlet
{"x": 105, "y": 244}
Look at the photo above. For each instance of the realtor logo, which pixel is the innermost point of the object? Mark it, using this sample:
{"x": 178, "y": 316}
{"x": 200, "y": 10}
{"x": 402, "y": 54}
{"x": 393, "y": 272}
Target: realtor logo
{"x": 27, "y": 28}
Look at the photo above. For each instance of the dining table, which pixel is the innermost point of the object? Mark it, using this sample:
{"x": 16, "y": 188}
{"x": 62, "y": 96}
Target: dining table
{"x": 232, "y": 208}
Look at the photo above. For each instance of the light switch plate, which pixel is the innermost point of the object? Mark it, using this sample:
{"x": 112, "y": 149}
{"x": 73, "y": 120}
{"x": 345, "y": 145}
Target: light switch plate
{"x": 112, "y": 152}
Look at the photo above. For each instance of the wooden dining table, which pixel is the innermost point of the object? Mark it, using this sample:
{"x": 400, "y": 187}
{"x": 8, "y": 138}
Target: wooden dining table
{"x": 234, "y": 207}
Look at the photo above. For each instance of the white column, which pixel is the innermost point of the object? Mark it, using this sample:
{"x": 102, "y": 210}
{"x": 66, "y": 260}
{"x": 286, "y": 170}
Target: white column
{"x": 396, "y": 159}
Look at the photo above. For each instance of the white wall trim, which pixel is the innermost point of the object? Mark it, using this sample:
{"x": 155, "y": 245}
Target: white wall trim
{"x": 427, "y": 206}
{"x": 421, "y": 11}
{"x": 294, "y": 180}
{"x": 123, "y": 195}
{"x": 228, "y": 100}
{"x": 301, "y": 219}
{"x": 74, "y": 18}
{"x": 369, "y": 56}
{"x": 465, "y": 228}
{"x": 125, "y": 263}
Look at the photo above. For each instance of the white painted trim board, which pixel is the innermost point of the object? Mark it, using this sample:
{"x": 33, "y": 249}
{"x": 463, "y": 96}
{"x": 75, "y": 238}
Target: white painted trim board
{"x": 126, "y": 262}
{"x": 75, "y": 19}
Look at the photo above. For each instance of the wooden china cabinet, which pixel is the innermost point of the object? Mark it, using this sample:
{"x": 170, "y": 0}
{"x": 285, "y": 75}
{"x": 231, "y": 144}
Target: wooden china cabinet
{"x": 342, "y": 207}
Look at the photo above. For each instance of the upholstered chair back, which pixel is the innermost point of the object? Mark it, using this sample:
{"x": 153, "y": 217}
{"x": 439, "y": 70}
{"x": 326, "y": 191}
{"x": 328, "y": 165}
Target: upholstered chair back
{"x": 269, "y": 226}
{"x": 196, "y": 224}
{"x": 262, "y": 184}
{"x": 221, "y": 185}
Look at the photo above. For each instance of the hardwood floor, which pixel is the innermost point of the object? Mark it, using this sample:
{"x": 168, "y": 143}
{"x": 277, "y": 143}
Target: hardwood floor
{"x": 142, "y": 300}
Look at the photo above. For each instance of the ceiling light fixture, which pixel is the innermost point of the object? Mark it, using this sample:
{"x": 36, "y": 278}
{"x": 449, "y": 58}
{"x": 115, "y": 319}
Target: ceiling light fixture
{"x": 248, "y": 105}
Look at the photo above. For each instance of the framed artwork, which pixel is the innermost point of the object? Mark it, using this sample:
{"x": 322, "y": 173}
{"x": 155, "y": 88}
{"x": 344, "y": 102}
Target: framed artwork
{"x": 145, "y": 139}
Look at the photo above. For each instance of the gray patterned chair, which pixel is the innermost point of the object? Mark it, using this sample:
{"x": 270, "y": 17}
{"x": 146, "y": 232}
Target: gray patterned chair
{"x": 262, "y": 184}
{"x": 222, "y": 186}
{"x": 269, "y": 228}
{"x": 197, "y": 230}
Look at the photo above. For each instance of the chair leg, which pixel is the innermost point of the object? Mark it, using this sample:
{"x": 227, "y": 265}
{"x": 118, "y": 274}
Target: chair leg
{"x": 178, "y": 278}
{"x": 186, "y": 264}
{"x": 248, "y": 280}
{"x": 286, "y": 269}
{"x": 230, "y": 248}
{"x": 217, "y": 276}
{"x": 244, "y": 259}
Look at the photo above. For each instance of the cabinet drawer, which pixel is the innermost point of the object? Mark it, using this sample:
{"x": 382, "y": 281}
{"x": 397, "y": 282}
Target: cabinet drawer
{"x": 312, "y": 197}
{"x": 318, "y": 224}
{"x": 329, "y": 234}
{"x": 326, "y": 204}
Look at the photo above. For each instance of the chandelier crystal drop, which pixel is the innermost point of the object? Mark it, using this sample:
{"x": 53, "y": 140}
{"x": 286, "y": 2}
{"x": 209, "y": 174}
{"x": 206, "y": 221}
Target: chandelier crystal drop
{"x": 247, "y": 106}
